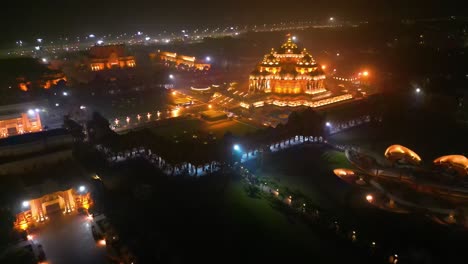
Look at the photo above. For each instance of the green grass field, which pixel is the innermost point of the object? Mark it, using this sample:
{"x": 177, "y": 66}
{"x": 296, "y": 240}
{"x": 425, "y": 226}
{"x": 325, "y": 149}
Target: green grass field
{"x": 309, "y": 170}
{"x": 196, "y": 126}
{"x": 271, "y": 232}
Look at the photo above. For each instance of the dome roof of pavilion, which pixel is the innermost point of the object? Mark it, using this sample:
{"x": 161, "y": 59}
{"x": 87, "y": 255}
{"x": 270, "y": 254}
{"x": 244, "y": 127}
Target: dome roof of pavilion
{"x": 306, "y": 60}
{"x": 270, "y": 59}
{"x": 289, "y": 47}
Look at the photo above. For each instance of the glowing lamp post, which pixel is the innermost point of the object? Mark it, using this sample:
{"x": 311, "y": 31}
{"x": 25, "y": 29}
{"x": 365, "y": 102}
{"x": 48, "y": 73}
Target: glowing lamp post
{"x": 236, "y": 148}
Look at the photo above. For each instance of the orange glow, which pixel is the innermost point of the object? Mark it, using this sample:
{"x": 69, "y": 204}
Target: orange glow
{"x": 30, "y": 237}
{"x": 210, "y": 106}
{"x": 457, "y": 162}
{"x": 397, "y": 152}
{"x": 90, "y": 217}
{"x": 324, "y": 67}
{"x": 23, "y": 86}
{"x": 102, "y": 242}
{"x": 174, "y": 93}
{"x": 365, "y": 73}
{"x": 343, "y": 172}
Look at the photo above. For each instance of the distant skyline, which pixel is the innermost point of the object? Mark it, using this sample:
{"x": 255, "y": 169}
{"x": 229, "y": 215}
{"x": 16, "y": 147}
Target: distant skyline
{"x": 51, "y": 19}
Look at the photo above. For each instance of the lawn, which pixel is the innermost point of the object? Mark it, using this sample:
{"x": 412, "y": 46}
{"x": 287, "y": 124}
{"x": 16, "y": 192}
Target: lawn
{"x": 309, "y": 170}
{"x": 272, "y": 233}
{"x": 190, "y": 126}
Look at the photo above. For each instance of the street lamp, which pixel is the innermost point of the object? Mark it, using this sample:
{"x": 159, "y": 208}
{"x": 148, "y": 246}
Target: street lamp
{"x": 81, "y": 188}
{"x": 294, "y": 38}
{"x": 171, "y": 76}
{"x": 25, "y": 204}
{"x": 331, "y": 19}
{"x": 208, "y": 58}
{"x": 328, "y": 124}
{"x": 236, "y": 147}
{"x": 418, "y": 90}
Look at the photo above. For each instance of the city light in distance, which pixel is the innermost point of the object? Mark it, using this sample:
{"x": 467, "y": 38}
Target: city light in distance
{"x": 331, "y": 19}
{"x": 171, "y": 76}
{"x": 324, "y": 67}
{"x": 294, "y": 38}
{"x": 147, "y": 38}
{"x": 44, "y": 60}
{"x": 82, "y": 107}
{"x": 369, "y": 198}
{"x": 100, "y": 42}
{"x": 81, "y": 188}
{"x": 37, "y": 48}
{"x": 25, "y": 203}
{"x": 39, "y": 40}
{"x": 208, "y": 58}
{"x": 139, "y": 33}
{"x": 92, "y": 35}
{"x": 365, "y": 73}
{"x": 328, "y": 124}
{"x": 418, "y": 90}
{"x": 31, "y": 112}
{"x": 65, "y": 94}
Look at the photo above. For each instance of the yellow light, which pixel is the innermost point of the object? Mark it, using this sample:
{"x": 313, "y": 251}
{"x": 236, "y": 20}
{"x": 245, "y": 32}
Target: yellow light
{"x": 365, "y": 73}
{"x": 102, "y": 242}
{"x": 210, "y": 106}
{"x": 174, "y": 93}
{"x": 30, "y": 237}
{"x": 369, "y": 198}
{"x": 324, "y": 67}
{"x": 24, "y": 226}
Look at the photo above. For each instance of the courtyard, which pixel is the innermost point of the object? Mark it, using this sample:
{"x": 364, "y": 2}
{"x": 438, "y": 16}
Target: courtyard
{"x": 68, "y": 239}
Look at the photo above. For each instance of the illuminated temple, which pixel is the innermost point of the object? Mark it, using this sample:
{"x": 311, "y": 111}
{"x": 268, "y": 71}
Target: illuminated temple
{"x": 288, "y": 70}
{"x": 110, "y": 57}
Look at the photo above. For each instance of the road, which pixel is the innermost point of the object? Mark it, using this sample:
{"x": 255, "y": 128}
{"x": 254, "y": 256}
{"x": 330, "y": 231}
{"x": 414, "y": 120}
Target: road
{"x": 68, "y": 239}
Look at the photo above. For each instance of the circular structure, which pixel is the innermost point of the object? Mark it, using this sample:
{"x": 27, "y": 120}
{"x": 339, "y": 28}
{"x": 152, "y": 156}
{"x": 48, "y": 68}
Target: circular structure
{"x": 398, "y": 152}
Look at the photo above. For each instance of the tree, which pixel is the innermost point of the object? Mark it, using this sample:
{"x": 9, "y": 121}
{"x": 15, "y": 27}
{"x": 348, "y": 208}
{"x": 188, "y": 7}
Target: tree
{"x": 98, "y": 128}
{"x": 6, "y": 226}
{"x": 74, "y": 128}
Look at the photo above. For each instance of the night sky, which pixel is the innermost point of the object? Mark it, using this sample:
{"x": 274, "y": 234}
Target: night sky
{"x": 22, "y": 20}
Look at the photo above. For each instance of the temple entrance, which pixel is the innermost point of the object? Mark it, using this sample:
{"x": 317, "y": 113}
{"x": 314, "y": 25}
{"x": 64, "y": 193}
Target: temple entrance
{"x": 53, "y": 208}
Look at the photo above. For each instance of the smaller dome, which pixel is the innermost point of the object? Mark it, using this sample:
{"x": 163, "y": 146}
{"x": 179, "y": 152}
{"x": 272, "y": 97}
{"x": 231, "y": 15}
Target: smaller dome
{"x": 270, "y": 59}
{"x": 306, "y": 60}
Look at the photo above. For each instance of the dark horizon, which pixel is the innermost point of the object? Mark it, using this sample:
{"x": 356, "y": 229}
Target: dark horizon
{"x": 53, "y": 20}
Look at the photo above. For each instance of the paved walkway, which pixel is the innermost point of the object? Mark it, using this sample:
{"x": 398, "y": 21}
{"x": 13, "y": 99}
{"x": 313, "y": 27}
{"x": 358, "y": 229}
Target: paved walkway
{"x": 67, "y": 239}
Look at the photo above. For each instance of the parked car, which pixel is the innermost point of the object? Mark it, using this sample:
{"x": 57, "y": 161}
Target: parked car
{"x": 41, "y": 257}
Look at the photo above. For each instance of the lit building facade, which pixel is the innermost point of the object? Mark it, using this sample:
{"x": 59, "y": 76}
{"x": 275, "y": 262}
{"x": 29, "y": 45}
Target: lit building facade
{"x": 20, "y": 123}
{"x": 38, "y": 209}
{"x": 109, "y": 57}
{"x": 287, "y": 70}
{"x": 181, "y": 60}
